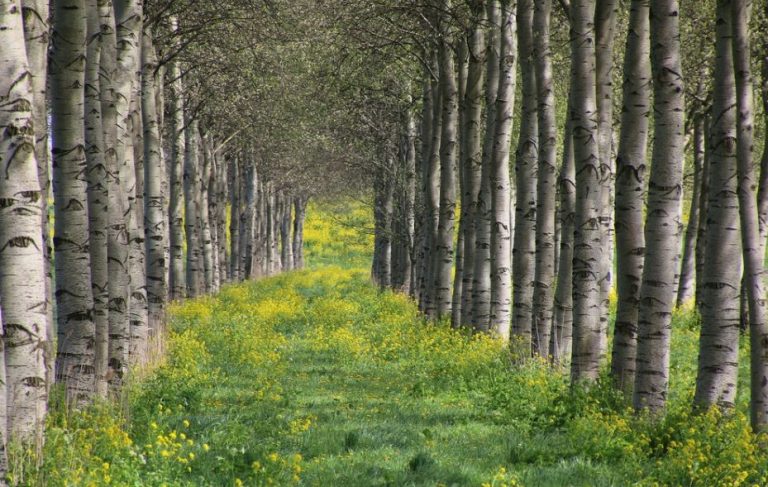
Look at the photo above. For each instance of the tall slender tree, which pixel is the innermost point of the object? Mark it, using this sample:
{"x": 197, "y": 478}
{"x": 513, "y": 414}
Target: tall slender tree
{"x": 630, "y": 184}
{"x": 23, "y": 391}
{"x": 501, "y": 197}
{"x": 74, "y": 298}
{"x": 752, "y": 243}
{"x": 524, "y": 250}
{"x": 719, "y": 307}
{"x": 588, "y": 350}
{"x": 663, "y": 226}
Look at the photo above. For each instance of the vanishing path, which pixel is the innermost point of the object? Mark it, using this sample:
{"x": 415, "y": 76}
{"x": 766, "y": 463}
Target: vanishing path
{"x": 316, "y": 378}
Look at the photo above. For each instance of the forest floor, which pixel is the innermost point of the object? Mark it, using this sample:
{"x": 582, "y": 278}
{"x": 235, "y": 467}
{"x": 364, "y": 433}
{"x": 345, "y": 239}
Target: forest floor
{"x": 314, "y": 377}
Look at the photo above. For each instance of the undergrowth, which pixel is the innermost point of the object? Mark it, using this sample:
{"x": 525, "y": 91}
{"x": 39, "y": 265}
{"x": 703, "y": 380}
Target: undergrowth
{"x": 317, "y": 378}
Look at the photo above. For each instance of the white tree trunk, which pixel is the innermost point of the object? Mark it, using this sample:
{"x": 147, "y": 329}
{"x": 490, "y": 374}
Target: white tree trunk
{"x": 75, "y": 362}
{"x": 23, "y": 392}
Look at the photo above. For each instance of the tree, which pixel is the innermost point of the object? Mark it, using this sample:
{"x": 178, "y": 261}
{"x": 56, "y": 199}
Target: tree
{"x": 588, "y": 349}
{"x": 718, "y": 345}
{"x": 662, "y": 226}
{"x": 524, "y": 251}
{"x": 74, "y": 298}
{"x": 501, "y": 231}
{"x": 543, "y": 297}
{"x": 630, "y": 184}
{"x": 23, "y": 392}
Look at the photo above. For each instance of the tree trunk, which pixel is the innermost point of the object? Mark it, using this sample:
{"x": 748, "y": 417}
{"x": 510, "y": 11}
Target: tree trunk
{"x": 630, "y": 185}
{"x": 155, "y": 199}
{"x": 176, "y": 214}
{"x": 191, "y": 190}
{"x": 98, "y": 198}
{"x": 74, "y": 299}
{"x": 449, "y": 145}
{"x": 128, "y": 16}
{"x": 117, "y": 232}
{"x": 36, "y": 14}
{"x": 23, "y": 392}
{"x": 205, "y": 214}
{"x": 234, "y": 221}
{"x": 299, "y": 214}
{"x": 719, "y": 344}
{"x": 685, "y": 287}
{"x": 409, "y": 203}
{"x": 473, "y": 155}
{"x": 663, "y": 226}
{"x": 501, "y": 197}
{"x": 605, "y": 27}
{"x": 526, "y": 181}
{"x": 752, "y": 242}
{"x": 481, "y": 279}
{"x": 562, "y": 328}
{"x": 701, "y": 230}
{"x": 221, "y": 216}
{"x": 285, "y": 233}
{"x": 432, "y": 199}
{"x": 588, "y": 349}
{"x": 543, "y": 296}
{"x": 458, "y": 274}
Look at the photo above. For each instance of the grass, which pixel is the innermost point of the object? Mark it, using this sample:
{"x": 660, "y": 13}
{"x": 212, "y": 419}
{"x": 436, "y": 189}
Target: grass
{"x": 316, "y": 378}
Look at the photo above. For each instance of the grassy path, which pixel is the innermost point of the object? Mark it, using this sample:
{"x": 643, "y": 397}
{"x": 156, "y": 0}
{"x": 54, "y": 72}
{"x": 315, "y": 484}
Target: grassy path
{"x": 316, "y": 378}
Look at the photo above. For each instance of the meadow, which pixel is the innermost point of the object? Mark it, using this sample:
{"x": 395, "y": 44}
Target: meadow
{"x": 317, "y": 378}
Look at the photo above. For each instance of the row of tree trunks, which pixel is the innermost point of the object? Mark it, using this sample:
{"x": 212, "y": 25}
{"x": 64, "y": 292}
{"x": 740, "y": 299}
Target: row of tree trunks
{"x": 121, "y": 208}
{"x": 558, "y": 275}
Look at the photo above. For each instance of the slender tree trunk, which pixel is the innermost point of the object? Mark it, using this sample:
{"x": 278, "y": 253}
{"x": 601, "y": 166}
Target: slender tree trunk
{"x": 175, "y": 218}
{"x": 117, "y": 232}
{"x": 752, "y": 242}
{"x": 191, "y": 189}
{"x": 432, "y": 200}
{"x": 630, "y": 184}
{"x": 562, "y": 328}
{"x": 501, "y": 197}
{"x": 762, "y": 193}
{"x": 205, "y": 215}
{"x": 473, "y": 155}
{"x": 299, "y": 214}
{"x": 588, "y": 350}
{"x": 685, "y": 287}
{"x": 234, "y": 221}
{"x": 458, "y": 275}
{"x": 526, "y": 182}
{"x": 36, "y": 15}
{"x": 719, "y": 344}
{"x": 75, "y": 362}
{"x": 285, "y": 234}
{"x": 543, "y": 296}
{"x": 98, "y": 198}
{"x": 139, "y": 309}
{"x": 449, "y": 146}
{"x": 221, "y": 216}
{"x": 155, "y": 199}
{"x": 701, "y": 231}
{"x": 663, "y": 226}
{"x": 422, "y": 243}
{"x": 409, "y": 201}
{"x": 23, "y": 392}
{"x": 481, "y": 279}
{"x": 128, "y": 16}
{"x": 605, "y": 28}
{"x": 247, "y": 248}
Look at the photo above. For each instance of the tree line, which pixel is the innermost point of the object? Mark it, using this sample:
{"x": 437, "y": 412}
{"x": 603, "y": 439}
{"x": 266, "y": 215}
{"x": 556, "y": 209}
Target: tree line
{"x": 108, "y": 110}
{"x": 617, "y": 99}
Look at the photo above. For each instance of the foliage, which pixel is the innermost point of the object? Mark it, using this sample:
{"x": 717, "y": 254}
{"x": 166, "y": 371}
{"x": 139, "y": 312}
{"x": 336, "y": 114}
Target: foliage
{"x": 317, "y": 378}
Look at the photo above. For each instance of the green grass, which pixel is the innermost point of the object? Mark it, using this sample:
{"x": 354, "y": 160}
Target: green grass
{"x": 316, "y": 378}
